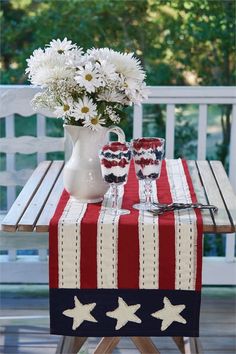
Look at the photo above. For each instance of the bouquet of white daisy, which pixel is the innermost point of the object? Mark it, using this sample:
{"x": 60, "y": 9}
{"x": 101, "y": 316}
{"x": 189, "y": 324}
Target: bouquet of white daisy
{"x": 85, "y": 88}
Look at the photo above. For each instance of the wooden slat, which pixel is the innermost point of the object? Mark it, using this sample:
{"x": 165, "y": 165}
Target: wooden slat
{"x": 199, "y": 346}
{"x": 190, "y": 346}
{"x": 9, "y": 223}
{"x": 179, "y": 341}
{"x": 42, "y": 224}
{"x": 32, "y": 213}
{"x": 208, "y": 223}
{"x": 145, "y": 345}
{"x": 70, "y": 345}
{"x": 230, "y": 202}
{"x": 222, "y": 221}
{"x": 225, "y": 188}
{"x": 106, "y": 345}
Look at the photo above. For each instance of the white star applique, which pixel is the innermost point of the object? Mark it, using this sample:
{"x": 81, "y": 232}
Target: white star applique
{"x": 80, "y": 313}
{"x": 124, "y": 313}
{"x": 169, "y": 314}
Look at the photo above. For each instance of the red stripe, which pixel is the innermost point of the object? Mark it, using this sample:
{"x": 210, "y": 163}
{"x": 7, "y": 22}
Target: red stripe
{"x": 199, "y": 228}
{"x": 53, "y": 240}
{"x": 88, "y": 257}
{"x": 128, "y": 242}
{"x": 166, "y": 235}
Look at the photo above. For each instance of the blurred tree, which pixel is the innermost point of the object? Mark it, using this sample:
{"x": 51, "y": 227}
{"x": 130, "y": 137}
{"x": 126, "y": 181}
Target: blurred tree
{"x": 180, "y": 42}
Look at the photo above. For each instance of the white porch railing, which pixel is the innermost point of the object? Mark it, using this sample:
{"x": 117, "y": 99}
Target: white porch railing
{"x": 16, "y": 100}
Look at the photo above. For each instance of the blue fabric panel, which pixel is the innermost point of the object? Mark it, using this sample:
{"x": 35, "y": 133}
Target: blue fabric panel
{"x": 107, "y": 300}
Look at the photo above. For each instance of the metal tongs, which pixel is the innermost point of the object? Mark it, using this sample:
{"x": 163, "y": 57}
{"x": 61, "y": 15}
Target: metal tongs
{"x": 162, "y": 208}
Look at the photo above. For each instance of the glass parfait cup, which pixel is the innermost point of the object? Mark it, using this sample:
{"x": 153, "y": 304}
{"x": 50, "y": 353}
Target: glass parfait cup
{"x": 148, "y": 154}
{"x": 115, "y": 161}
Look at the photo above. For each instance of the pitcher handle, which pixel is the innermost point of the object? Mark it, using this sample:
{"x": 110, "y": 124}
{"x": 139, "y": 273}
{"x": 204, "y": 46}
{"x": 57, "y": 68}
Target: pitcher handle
{"x": 118, "y": 131}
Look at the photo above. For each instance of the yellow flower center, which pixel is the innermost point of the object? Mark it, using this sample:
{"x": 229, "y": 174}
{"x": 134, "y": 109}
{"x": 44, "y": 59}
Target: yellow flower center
{"x": 95, "y": 120}
{"x": 85, "y": 109}
{"x": 88, "y": 77}
{"x": 66, "y": 107}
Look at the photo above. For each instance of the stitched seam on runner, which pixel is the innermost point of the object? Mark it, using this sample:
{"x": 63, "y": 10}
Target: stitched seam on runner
{"x": 70, "y": 252}
{"x": 107, "y": 226}
{"x": 148, "y": 244}
{"x": 184, "y": 227}
{"x": 61, "y": 236}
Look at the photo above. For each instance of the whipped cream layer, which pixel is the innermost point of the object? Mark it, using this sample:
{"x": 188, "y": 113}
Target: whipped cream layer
{"x": 148, "y": 161}
{"x": 115, "y": 160}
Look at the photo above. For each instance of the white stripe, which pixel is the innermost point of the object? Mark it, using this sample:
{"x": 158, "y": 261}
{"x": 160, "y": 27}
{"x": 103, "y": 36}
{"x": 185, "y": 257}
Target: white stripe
{"x": 185, "y": 228}
{"x": 69, "y": 244}
{"x": 107, "y": 244}
{"x": 148, "y": 244}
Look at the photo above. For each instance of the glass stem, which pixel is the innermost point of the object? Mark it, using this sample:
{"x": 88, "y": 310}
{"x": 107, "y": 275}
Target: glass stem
{"x": 114, "y": 196}
{"x": 148, "y": 191}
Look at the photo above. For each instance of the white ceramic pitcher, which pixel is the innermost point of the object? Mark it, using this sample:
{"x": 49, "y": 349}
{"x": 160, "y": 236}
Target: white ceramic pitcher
{"x": 82, "y": 173}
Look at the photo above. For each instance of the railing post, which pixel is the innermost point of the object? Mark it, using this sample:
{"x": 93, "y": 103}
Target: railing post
{"x": 41, "y": 131}
{"x": 67, "y": 145}
{"x": 170, "y": 131}
{"x": 138, "y": 121}
{"x": 12, "y": 254}
{"x": 230, "y": 238}
{"x": 10, "y": 158}
{"x": 232, "y": 150}
{"x": 230, "y": 248}
{"x": 202, "y": 132}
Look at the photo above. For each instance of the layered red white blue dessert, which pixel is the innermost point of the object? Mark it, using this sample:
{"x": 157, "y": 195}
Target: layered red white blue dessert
{"x": 115, "y": 160}
{"x": 148, "y": 154}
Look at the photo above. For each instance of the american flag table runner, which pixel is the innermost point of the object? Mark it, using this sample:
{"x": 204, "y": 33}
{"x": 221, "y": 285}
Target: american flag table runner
{"x": 129, "y": 275}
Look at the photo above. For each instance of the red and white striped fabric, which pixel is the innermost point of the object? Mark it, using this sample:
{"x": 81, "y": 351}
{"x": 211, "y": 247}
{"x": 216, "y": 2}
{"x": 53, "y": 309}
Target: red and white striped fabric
{"x": 93, "y": 250}
{"x": 133, "y": 251}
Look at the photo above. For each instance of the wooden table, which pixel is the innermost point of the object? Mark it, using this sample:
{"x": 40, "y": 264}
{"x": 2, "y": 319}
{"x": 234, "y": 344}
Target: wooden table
{"x": 37, "y": 202}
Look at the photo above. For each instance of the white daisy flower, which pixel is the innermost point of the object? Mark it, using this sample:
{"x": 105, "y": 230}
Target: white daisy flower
{"x": 95, "y": 123}
{"x": 136, "y": 92}
{"x": 99, "y": 54}
{"x": 64, "y": 110}
{"x": 47, "y": 67}
{"x": 111, "y": 96}
{"x": 69, "y": 76}
{"x": 130, "y": 87}
{"x": 61, "y": 46}
{"x": 46, "y": 76}
{"x": 84, "y": 109}
{"x": 126, "y": 64}
{"x": 88, "y": 77}
{"x": 34, "y": 61}
{"x": 107, "y": 71}
{"x": 74, "y": 57}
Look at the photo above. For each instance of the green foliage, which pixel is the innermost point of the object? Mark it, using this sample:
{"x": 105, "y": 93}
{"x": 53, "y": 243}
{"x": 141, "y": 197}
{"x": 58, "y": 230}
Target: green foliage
{"x": 173, "y": 38}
